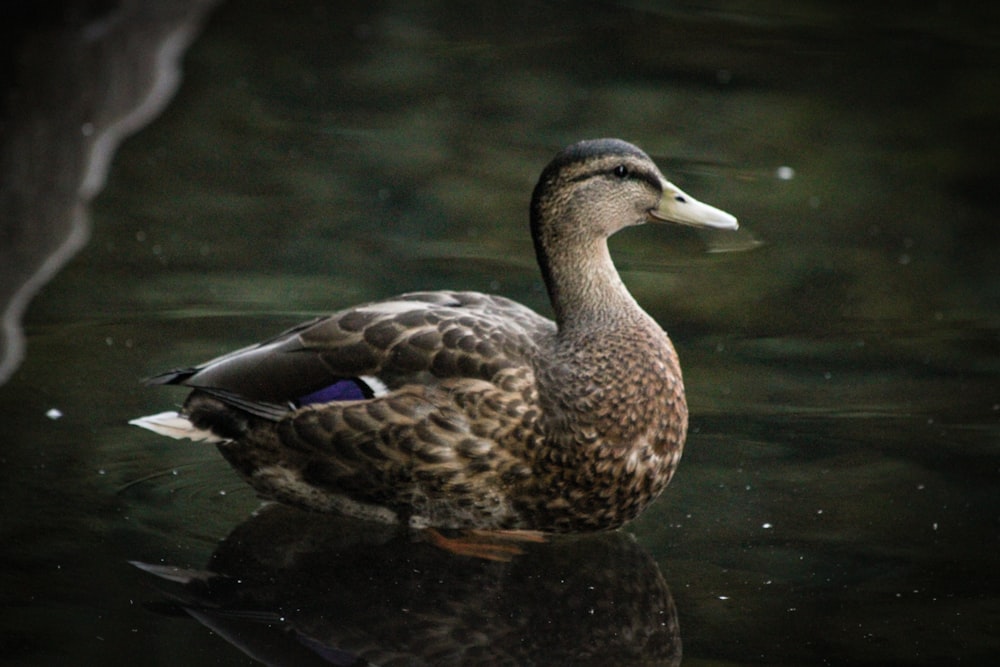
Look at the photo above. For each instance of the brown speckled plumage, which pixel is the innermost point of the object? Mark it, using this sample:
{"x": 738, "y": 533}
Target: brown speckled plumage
{"x": 494, "y": 416}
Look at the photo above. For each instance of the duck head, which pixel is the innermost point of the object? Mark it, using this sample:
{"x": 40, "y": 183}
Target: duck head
{"x": 596, "y": 187}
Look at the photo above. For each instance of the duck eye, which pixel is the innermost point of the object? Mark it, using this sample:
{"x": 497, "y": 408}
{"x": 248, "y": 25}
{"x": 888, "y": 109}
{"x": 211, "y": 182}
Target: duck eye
{"x": 621, "y": 171}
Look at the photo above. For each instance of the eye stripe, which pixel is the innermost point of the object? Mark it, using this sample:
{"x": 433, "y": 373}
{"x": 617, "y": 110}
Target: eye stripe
{"x": 635, "y": 174}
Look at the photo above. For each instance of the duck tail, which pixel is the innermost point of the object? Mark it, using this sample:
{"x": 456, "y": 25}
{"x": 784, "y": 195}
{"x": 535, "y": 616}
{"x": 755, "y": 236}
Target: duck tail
{"x": 175, "y": 425}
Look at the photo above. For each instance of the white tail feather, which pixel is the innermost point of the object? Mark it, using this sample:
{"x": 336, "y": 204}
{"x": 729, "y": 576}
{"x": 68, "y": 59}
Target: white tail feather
{"x": 174, "y": 425}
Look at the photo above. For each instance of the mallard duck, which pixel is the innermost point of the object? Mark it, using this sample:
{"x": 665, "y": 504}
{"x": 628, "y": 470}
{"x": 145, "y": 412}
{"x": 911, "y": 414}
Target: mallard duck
{"x": 467, "y": 411}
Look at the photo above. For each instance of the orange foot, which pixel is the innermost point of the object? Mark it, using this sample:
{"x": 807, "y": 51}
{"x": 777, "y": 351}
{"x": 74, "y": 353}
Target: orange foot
{"x": 495, "y": 545}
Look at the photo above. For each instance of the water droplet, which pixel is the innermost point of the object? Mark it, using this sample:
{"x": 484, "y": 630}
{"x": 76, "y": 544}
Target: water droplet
{"x": 784, "y": 173}
{"x": 54, "y": 413}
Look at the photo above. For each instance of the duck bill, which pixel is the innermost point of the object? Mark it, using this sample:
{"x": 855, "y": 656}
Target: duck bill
{"x": 678, "y": 207}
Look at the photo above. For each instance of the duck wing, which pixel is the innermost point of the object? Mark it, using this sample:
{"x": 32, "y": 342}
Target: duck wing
{"x": 419, "y": 337}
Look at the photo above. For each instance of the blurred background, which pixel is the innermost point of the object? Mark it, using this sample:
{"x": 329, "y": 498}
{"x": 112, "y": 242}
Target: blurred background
{"x": 181, "y": 178}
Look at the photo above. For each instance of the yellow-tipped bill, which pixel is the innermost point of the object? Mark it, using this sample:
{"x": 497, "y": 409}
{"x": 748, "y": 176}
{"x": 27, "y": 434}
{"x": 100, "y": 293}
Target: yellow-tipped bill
{"x": 676, "y": 206}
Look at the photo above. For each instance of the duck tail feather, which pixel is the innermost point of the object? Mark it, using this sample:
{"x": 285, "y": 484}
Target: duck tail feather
{"x": 175, "y": 425}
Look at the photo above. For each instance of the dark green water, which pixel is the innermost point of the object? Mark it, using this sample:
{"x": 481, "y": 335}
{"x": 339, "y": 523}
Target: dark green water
{"x": 838, "y": 500}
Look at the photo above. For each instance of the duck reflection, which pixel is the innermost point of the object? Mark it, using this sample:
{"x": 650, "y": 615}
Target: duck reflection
{"x": 291, "y": 587}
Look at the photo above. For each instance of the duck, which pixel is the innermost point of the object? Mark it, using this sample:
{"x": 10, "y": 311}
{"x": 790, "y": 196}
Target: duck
{"x": 465, "y": 411}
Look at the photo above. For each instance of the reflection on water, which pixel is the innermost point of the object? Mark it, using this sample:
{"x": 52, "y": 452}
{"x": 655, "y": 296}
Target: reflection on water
{"x": 88, "y": 78}
{"x": 289, "y": 587}
{"x": 837, "y": 501}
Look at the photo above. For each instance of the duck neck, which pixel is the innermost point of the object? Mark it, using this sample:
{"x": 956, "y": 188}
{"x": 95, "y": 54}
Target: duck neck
{"x": 584, "y": 286}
